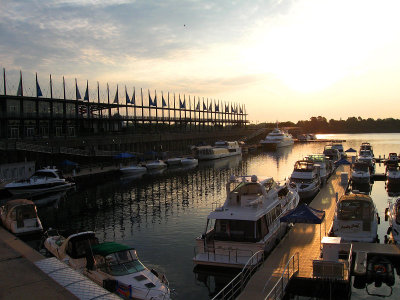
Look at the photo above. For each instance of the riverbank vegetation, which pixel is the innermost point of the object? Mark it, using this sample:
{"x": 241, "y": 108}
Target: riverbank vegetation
{"x": 351, "y": 125}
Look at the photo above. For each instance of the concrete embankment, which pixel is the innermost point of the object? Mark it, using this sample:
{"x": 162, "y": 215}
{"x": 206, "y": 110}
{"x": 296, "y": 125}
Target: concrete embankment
{"x": 19, "y": 277}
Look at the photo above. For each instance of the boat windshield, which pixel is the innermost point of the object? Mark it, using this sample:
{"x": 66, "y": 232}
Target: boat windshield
{"x": 25, "y": 212}
{"x": 120, "y": 263}
{"x": 355, "y": 210}
{"x": 42, "y": 174}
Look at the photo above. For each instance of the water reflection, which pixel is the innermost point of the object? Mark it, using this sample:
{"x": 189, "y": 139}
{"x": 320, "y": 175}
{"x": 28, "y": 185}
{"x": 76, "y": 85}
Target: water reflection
{"x": 223, "y": 163}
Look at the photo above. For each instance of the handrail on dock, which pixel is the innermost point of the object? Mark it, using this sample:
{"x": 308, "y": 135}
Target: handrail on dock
{"x": 239, "y": 281}
{"x": 278, "y": 291}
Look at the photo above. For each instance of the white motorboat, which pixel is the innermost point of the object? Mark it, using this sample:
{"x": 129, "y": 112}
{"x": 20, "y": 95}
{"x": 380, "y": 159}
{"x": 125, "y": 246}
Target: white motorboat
{"x": 356, "y": 219}
{"x": 367, "y": 146}
{"x": 306, "y": 177}
{"x": 174, "y": 161}
{"x": 132, "y": 169}
{"x": 20, "y": 217}
{"x": 109, "y": 264}
{"x": 324, "y": 165}
{"x": 339, "y": 146}
{"x": 277, "y": 138}
{"x": 360, "y": 173}
{"x": 221, "y": 149}
{"x": 42, "y": 181}
{"x": 393, "y": 214}
{"x": 333, "y": 154}
{"x": 247, "y": 223}
{"x": 189, "y": 161}
{"x": 156, "y": 165}
{"x": 392, "y": 172}
{"x": 367, "y": 157}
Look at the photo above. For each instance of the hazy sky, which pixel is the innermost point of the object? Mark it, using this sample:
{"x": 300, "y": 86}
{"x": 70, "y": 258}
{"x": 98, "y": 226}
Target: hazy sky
{"x": 284, "y": 59}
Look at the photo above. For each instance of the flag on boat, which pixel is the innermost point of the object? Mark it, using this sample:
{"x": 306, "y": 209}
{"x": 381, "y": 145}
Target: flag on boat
{"x": 227, "y": 108}
{"x": 38, "y": 90}
{"x": 198, "y": 105}
{"x": 210, "y": 108}
{"x": 123, "y": 290}
{"x": 204, "y": 106}
{"x": 77, "y": 94}
{"x": 87, "y": 91}
{"x": 241, "y": 110}
{"x": 19, "y": 91}
{"x": 116, "y": 99}
{"x": 127, "y": 96}
{"x": 163, "y": 100}
{"x": 217, "y": 107}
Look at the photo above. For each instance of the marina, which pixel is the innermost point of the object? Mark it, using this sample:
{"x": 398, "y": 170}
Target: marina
{"x": 154, "y": 208}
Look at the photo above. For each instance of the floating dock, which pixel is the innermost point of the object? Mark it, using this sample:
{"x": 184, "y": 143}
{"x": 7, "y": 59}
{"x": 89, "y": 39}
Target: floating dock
{"x": 303, "y": 239}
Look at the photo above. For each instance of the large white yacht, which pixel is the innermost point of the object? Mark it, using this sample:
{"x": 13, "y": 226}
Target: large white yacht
{"x": 221, "y": 149}
{"x": 333, "y": 153}
{"x": 368, "y": 157}
{"x": 109, "y": 262}
{"x": 305, "y": 177}
{"x": 360, "y": 172}
{"x": 277, "y": 138}
{"x": 248, "y": 222}
{"x": 42, "y": 181}
{"x": 356, "y": 219}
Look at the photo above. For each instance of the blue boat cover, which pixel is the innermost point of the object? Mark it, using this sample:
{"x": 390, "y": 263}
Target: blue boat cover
{"x": 343, "y": 161}
{"x": 304, "y": 214}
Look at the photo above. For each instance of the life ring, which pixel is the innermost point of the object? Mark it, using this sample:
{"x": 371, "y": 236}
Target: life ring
{"x": 381, "y": 269}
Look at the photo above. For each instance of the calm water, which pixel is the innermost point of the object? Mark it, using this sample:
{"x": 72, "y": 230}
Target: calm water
{"x": 161, "y": 214}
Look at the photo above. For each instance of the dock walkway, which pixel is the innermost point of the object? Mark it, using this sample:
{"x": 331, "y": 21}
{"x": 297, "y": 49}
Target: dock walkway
{"x": 302, "y": 238}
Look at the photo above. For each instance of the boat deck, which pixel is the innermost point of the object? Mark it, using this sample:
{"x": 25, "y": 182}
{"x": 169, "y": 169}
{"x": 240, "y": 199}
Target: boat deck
{"x": 302, "y": 238}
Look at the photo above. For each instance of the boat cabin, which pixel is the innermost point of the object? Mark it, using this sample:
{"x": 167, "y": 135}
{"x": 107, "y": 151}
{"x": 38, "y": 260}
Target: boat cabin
{"x": 19, "y": 210}
{"x": 356, "y": 207}
{"x": 76, "y": 245}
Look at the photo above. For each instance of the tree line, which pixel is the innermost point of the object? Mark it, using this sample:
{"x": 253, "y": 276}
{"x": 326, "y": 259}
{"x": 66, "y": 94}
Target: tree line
{"x": 351, "y": 125}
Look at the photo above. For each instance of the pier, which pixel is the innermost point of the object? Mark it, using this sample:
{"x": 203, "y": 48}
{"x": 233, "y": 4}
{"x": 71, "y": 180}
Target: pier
{"x": 302, "y": 238}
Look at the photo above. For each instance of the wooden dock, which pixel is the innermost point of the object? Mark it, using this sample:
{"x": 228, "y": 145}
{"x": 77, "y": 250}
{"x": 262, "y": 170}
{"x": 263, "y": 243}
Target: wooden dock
{"x": 302, "y": 238}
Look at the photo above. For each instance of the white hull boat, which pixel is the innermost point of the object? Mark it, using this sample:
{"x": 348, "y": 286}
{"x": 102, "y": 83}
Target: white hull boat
{"x": 305, "y": 177}
{"x": 113, "y": 265}
{"x": 42, "y": 181}
{"x": 20, "y": 217}
{"x": 131, "y": 170}
{"x": 356, "y": 219}
{"x": 247, "y": 225}
{"x": 221, "y": 149}
{"x": 156, "y": 165}
{"x": 360, "y": 173}
{"x": 277, "y": 138}
{"x": 189, "y": 161}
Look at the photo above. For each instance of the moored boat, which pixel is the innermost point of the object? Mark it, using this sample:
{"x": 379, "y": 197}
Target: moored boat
{"x": 277, "y": 138}
{"x": 20, "y": 217}
{"x": 221, "y": 149}
{"x": 132, "y": 170}
{"x": 247, "y": 223}
{"x": 109, "y": 264}
{"x": 42, "y": 181}
{"x": 306, "y": 178}
{"x": 360, "y": 172}
{"x": 324, "y": 165}
{"x": 189, "y": 161}
{"x": 356, "y": 219}
{"x": 156, "y": 165}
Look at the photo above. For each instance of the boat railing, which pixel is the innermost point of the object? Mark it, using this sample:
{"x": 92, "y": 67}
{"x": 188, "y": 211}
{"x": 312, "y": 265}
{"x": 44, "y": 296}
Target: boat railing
{"x": 237, "y": 284}
{"x": 233, "y": 254}
{"x": 215, "y": 205}
{"x": 291, "y": 269}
